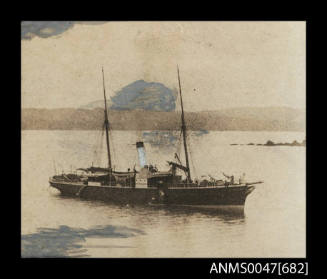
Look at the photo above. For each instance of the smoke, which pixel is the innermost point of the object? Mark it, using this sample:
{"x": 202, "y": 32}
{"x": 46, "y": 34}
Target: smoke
{"x": 45, "y": 29}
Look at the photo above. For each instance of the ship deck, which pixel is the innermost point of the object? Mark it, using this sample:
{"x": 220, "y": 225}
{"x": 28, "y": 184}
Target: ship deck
{"x": 169, "y": 187}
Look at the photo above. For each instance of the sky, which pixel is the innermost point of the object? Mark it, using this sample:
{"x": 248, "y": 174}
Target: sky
{"x": 222, "y": 64}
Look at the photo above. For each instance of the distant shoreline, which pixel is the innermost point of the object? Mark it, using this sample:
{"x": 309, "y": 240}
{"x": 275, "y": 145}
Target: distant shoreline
{"x": 245, "y": 119}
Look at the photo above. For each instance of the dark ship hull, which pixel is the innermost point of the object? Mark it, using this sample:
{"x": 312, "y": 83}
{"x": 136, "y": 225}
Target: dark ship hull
{"x": 212, "y": 196}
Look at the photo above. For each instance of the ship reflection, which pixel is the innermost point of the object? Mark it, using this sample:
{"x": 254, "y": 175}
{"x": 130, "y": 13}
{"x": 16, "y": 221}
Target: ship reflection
{"x": 224, "y": 213}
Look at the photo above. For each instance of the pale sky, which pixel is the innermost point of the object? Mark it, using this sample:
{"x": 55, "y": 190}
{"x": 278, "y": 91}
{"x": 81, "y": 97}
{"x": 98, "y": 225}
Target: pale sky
{"x": 222, "y": 64}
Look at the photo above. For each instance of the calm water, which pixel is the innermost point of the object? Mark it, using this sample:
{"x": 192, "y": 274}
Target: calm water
{"x": 273, "y": 224}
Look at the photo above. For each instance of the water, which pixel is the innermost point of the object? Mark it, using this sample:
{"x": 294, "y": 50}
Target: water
{"x": 273, "y": 223}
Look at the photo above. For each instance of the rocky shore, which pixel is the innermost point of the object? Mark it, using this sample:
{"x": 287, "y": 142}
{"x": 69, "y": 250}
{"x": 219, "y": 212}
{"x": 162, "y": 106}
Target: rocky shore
{"x": 271, "y": 143}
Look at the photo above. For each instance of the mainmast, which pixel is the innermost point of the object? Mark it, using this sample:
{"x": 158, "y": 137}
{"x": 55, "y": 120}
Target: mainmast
{"x": 184, "y": 130}
{"x": 106, "y": 123}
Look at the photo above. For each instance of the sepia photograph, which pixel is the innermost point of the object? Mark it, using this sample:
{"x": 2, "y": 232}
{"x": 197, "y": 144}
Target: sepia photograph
{"x": 163, "y": 139}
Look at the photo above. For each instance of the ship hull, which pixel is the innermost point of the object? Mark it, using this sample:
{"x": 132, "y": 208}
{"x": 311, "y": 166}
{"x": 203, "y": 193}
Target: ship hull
{"x": 187, "y": 196}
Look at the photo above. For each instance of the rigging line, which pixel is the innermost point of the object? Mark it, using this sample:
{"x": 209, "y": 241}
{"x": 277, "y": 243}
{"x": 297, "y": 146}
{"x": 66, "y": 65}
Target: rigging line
{"x": 98, "y": 133}
{"x": 97, "y": 146}
{"x": 179, "y": 144}
{"x": 179, "y": 147}
{"x": 102, "y": 139}
{"x": 100, "y": 155}
{"x": 54, "y": 165}
{"x": 191, "y": 158}
{"x": 188, "y": 142}
{"x": 114, "y": 157}
{"x": 61, "y": 168}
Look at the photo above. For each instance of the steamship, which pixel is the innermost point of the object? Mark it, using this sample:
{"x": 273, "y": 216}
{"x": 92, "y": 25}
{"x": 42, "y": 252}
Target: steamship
{"x": 148, "y": 185}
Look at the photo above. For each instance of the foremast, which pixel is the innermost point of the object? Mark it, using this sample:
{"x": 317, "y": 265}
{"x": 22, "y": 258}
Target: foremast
{"x": 184, "y": 130}
{"x": 106, "y": 124}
